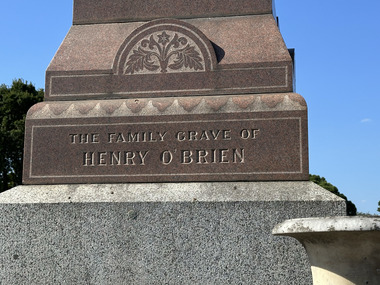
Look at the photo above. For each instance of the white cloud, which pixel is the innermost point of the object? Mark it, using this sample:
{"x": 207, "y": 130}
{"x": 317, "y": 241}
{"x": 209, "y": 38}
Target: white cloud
{"x": 366, "y": 120}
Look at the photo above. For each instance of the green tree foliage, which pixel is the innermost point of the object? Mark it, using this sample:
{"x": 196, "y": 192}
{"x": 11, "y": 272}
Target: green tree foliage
{"x": 378, "y": 209}
{"x": 321, "y": 181}
{"x": 15, "y": 101}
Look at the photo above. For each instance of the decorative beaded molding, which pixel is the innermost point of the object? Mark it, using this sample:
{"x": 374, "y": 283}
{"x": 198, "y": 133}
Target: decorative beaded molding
{"x": 167, "y": 106}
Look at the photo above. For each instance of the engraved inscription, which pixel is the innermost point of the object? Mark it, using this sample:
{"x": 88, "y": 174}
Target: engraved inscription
{"x": 164, "y": 52}
{"x": 131, "y": 137}
{"x": 204, "y": 135}
{"x": 84, "y": 138}
{"x": 244, "y": 148}
{"x": 249, "y": 134}
{"x": 166, "y": 157}
{"x": 207, "y": 156}
{"x": 105, "y": 158}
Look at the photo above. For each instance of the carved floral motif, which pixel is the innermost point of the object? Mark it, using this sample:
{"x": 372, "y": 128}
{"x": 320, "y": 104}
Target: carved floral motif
{"x": 165, "y": 52}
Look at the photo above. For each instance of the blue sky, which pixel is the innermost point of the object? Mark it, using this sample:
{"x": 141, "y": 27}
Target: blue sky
{"x": 337, "y": 46}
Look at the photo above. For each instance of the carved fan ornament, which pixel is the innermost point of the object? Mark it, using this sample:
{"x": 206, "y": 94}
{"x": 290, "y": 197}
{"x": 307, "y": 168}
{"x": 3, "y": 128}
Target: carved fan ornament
{"x": 164, "y": 52}
{"x": 165, "y": 46}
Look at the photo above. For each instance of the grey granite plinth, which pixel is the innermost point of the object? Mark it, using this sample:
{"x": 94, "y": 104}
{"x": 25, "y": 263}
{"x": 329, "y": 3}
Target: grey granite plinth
{"x": 185, "y": 233}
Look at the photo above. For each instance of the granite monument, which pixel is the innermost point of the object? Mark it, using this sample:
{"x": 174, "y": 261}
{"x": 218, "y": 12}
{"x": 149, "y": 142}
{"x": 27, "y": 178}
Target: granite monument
{"x": 169, "y": 144}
